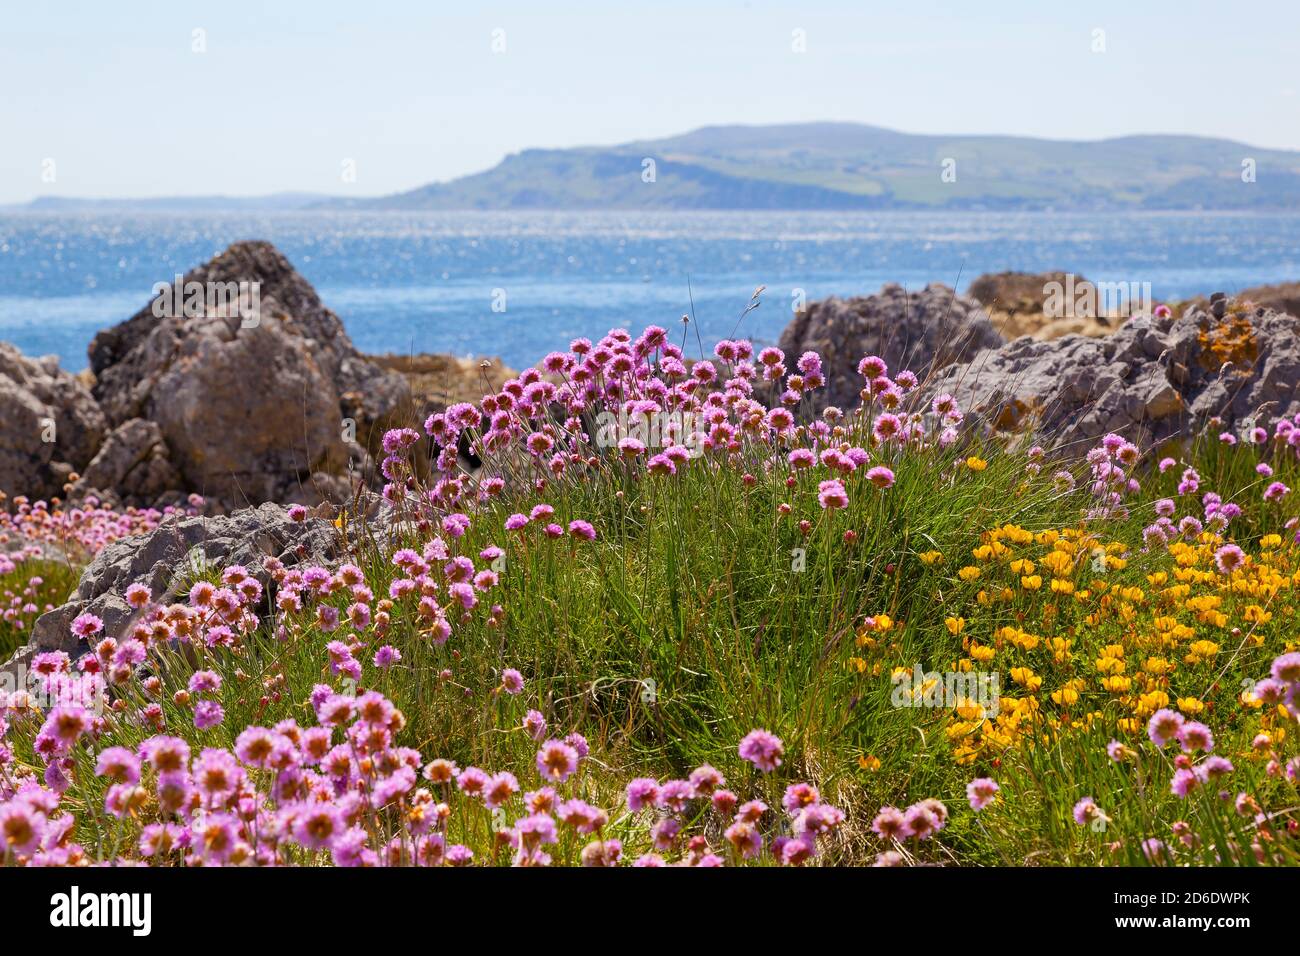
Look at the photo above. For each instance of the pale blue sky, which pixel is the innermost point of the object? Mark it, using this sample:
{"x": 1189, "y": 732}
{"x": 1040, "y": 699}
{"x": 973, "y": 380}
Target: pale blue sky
{"x": 413, "y": 92}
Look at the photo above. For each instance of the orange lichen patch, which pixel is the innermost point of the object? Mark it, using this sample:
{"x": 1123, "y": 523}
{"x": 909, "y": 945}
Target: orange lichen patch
{"x": 1231, "y": 340}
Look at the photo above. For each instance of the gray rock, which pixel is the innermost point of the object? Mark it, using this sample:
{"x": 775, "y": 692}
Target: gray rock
{"x": 133, "y": 464}
{"x": 251, "y": 409}
{"x": 39, "y": 401}
{"x": 165, "y": 559}
{"x": 1154, "y": 379}
{"x": 919, "y": 331}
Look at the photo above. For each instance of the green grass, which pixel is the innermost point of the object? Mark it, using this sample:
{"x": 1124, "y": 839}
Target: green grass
{"x": 57, "y": 580}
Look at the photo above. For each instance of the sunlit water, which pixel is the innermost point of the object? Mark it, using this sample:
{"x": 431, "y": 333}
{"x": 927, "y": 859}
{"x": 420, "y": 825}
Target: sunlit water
{"x": 428, "y": 282}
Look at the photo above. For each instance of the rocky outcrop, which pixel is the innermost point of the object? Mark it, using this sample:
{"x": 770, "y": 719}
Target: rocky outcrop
{"x": 50, "y": 425}
{"x": 437, "y": 381}
{"x": 132, "y": 464}
{"x": 1017, "y": 305}
{"x": 1283, "y": 297}
{"x": 271, "y": 403}
{"x": 1154, "y": 379}
{"x": 920, "y": 331}
{"x": 166, "y": 561}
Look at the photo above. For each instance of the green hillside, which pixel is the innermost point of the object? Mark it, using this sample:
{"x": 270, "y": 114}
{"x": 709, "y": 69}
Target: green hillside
{"x": 850, "y": 166}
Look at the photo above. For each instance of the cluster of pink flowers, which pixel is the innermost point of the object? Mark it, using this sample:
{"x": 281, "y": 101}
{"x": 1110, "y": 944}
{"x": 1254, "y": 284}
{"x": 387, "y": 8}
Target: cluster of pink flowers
{"x": 810, "y": 820}
{"x": 1111, "y": 465}
{"x": 1286, "y": 432}
{"x": 344, "y": 790}
{"x": 920, "y": 821}
{"x": 1190, "y": 774}
{"x": 79, "y": 532}
{"x": 21, "y": 603}
{"x": 1168, "y": 726}
{"x": 534, "y": 424}
{"x": 1285, "y": 439}
{"x": 1216, "y": 516}
{"x": 35, "y": 531}
{"x": 1283, "y": 683}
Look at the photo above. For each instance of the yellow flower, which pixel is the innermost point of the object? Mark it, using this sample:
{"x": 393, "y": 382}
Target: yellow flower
{"x": 1065, "y": 696}
{"x": 1020, "y": 638}
{"x": 955, "y": 625}
{"x": 868, "y": 762}
{"x": 1026, "y": 678}
{"x": 1061, "y": 649}
{"x": 1058, "y": 562}
{"x": 1190, "y": 705}
{"x": 1152, "y": 701}
{"x": 1110, "y": 665}
{"x": 1031, "y": 582}
{"x": 1256, "y": 614}
{"x": 930, "y": 557}
{"x": 975, "y": 463}
{"x": 969, "y": 573}
{"x": 1016, "y": 534}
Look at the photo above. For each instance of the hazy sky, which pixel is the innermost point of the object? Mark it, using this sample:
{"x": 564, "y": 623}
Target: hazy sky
{"x": 115, "y": 94}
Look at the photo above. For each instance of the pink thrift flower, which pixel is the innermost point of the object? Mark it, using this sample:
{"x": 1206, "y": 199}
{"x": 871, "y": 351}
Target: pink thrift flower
{"x": 763, "y": 749}
{"x": 880, "y": 476}
{"x": 1164, "y": 726}
{"x": 831, "y": 495}
{"x": 980, "y": 792}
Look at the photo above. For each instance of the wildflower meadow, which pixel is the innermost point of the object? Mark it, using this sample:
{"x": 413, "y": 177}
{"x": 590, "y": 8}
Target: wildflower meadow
{"x": 715, "y": 631}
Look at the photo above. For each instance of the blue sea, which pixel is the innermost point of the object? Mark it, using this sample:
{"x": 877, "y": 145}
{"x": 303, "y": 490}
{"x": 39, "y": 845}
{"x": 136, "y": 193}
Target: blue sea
{"x": 428, "y": 282}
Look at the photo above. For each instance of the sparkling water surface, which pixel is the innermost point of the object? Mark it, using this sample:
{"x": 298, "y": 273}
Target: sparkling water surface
{"x": 428, "y": 282}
